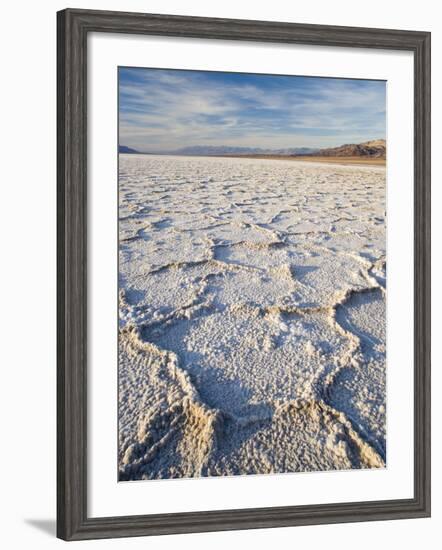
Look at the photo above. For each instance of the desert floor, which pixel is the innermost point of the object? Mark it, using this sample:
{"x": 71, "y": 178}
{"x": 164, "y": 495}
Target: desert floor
{"x": 363, "y": 161}
{"x": 252, "y": 316}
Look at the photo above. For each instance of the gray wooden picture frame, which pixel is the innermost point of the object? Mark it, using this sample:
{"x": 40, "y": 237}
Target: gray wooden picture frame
{"x": 73, "y": 27}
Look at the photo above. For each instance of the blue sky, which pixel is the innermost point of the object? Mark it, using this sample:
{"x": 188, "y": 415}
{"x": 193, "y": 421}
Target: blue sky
{"x": 161, "y": 110}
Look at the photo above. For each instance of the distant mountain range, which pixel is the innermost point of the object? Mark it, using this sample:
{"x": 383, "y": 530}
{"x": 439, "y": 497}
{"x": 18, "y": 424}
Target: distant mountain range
{"x": 221, "y": 150}
{"x": 375, "y": 149}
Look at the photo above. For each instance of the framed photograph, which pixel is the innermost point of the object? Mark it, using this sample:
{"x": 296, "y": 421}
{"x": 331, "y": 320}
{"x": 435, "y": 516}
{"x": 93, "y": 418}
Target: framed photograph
{"x": 232, "y": 351}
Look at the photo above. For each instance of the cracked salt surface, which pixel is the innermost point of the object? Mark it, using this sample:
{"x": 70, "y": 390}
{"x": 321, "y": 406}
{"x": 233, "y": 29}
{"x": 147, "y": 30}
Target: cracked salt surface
{"x": 252, "y": 317}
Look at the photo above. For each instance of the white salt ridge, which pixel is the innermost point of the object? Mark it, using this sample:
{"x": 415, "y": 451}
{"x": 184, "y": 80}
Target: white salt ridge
{"x": 252, "y": 317}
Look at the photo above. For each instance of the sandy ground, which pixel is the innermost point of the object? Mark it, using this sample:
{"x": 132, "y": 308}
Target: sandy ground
{"x": 252, "y": 316}
{"x": 365, "y": 161}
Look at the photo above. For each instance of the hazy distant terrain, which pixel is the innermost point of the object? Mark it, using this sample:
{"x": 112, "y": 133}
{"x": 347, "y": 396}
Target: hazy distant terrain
{"x": 223, "y": 150}
{"x": 375, "y": 149}
{"x": 252, "y": 316}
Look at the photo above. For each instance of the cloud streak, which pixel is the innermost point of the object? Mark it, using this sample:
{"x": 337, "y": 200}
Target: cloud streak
{"x": 161, "y": 110}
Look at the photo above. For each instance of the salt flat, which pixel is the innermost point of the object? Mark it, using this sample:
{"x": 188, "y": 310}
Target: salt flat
{"x": 252, "y": 316}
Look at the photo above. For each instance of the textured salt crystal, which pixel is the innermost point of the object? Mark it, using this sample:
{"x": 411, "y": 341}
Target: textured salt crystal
{"x": 252, "y": 316}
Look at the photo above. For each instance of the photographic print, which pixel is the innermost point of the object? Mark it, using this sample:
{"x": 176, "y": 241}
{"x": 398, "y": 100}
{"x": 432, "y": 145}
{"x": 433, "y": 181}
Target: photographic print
{"x": 252, "y": 274}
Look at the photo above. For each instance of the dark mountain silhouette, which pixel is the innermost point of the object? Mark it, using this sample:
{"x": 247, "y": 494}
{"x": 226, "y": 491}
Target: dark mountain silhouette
{"x": 125, "y": 149}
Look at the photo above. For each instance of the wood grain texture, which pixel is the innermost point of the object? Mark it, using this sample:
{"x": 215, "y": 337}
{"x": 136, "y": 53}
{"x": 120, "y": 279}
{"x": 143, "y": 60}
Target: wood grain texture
{"x": 72, "y": 28}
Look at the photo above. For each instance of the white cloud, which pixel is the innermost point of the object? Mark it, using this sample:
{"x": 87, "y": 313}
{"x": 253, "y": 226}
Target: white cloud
{"x": 166, "y": 109}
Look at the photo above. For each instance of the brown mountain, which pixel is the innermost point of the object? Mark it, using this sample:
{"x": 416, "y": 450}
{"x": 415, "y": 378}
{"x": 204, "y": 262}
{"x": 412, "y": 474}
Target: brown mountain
{"x": 375, "y": 149}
